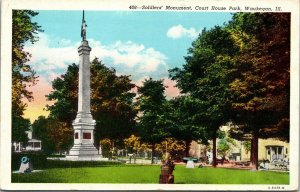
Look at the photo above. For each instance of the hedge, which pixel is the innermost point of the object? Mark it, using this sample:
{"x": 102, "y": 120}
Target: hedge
{"x": 40, "y": 161}
{"x": 74, "y": 164}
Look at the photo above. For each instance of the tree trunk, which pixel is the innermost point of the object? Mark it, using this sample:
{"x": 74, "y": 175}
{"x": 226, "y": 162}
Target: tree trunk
{"x": 254, "y": 151}
{"x": 251, "y": 148}
{"x": 187, "y": 147}
{"x": 152, "y": 153}
{"x": 112, "y": 148}
{"x": 215, "y": 148}
{"x": 204, "y": 156}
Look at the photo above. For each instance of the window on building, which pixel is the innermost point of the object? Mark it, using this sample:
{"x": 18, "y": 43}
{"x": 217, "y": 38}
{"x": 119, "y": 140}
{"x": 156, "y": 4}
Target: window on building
{"x": 37, "y": 145}
{"x": 76, "y": 135}
{"x": 30, "y": 144}
{"x": 274, "y": 152}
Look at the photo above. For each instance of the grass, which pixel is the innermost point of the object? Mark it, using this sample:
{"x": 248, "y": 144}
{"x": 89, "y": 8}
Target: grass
{"x": 106, "y": 174}
{"x": 150, "y": 174}
{"x": 210, "y": 175}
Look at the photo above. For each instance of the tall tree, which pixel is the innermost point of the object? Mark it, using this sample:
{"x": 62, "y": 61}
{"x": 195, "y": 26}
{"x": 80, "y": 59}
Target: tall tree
{"x": 206, "y": 76}
{"x": 152, "y": 123}
{"x": 23, "y": 30}
{"x": 260, "y": 90}
{"x": 186, "y": 125}
{"x": 111, "y": 101}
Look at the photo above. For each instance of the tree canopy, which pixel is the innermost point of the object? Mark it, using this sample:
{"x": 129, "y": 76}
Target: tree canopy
{"x": 23, "y": 31}
{"x": 111, "y": 101}
{"x": 261, "y": 88}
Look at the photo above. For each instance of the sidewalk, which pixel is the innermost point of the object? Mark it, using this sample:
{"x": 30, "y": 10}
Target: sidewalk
{"x": 142, "y": 161}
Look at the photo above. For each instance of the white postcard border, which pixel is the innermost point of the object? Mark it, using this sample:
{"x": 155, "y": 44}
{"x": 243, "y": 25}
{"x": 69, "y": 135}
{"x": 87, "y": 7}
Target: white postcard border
{"x": 6, "y": 26}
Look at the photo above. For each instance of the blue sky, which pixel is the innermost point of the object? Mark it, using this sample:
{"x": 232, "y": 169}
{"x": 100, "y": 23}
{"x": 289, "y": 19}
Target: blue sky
{"x": 148, "y": 29}
{"x": 140, "y": 44}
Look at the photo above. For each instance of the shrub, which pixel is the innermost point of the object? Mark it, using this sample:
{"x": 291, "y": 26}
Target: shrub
{"x": 40, "y": 161}
{"x": 56, "y": 155}
{"x": 74, "y": 164}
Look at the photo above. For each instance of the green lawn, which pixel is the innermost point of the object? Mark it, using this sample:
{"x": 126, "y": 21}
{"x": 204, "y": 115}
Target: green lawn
{"x": 150, "y": 174}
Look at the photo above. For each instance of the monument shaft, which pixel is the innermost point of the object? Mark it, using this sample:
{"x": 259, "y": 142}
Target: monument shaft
{"x": 84, "y": 125}
{"x": 84, "y": 90}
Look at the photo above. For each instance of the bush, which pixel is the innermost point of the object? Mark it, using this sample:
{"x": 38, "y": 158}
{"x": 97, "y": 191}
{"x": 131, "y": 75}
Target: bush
{"x": 75, "y": 164}
{"x": 37, "y": 159}
{"x": 56, "y": 155}
{"x": 40, "y": 161}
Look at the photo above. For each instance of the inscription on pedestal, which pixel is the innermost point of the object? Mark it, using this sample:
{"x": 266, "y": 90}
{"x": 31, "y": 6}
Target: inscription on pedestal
{"x": 86, "y": 135}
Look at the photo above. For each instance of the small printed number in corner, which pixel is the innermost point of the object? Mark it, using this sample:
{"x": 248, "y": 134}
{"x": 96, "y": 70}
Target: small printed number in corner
{"x": 133, "y": 7}
{"x": 275, "y": 187}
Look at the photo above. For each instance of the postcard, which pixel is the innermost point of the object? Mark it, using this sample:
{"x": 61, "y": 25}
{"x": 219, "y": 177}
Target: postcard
{"x": 156, "y": 95}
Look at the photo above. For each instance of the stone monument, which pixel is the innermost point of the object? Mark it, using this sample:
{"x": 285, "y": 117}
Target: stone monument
{"x": 84, "y": 125}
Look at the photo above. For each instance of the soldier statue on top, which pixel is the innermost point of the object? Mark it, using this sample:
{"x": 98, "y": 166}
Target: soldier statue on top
{"x": 83, "y": 28}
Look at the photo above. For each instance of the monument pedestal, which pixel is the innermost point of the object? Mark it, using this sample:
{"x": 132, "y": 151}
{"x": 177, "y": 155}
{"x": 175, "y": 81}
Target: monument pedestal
{"x": 83, "y": 148}
{"x": 83, "y": 152}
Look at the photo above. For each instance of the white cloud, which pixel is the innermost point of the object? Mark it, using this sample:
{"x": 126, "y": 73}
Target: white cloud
{"x": 49, "y": 60}
{"x": 178, "y": 31}
{"x": 129, "y": 55}
{"x": 127, "y": 58}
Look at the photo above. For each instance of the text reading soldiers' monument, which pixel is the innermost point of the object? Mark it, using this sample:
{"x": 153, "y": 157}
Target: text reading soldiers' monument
{"x": 83, "y": 148}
